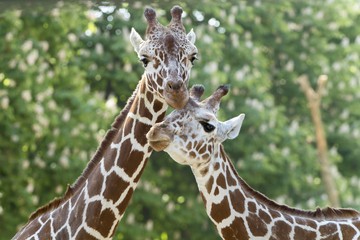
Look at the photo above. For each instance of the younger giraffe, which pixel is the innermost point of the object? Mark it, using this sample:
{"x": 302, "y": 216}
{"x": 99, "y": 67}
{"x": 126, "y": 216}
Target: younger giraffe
{"x": 94, "y": 205}
{"x": 193, "y": 136}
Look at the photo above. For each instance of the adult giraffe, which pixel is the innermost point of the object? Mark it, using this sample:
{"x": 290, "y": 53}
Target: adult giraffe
{"x": 94, "y": 205}
{"x": 193, "y": 136}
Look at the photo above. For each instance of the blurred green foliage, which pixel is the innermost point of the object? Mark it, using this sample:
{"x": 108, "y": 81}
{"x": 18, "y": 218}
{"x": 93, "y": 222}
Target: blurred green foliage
{"x": 65, "y": 72}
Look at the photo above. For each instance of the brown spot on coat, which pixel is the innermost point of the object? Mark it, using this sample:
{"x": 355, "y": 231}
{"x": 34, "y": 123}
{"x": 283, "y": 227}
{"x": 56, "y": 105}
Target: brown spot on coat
{"x": 220, "y": 181}
{"x": 252, "y": 207}
{"x": 209, "y": 184}
{"x": 301, "y": 233}
{"x": 235, "y": 231}
{"x": 100, "y": 219}
{"x": 202, "y": 149}
{"x": 257, "y": 226}
{"x": 329, "y": 230}
{"x": 158, "y": 106}
{"x": 229, "y": 178}
{"x": 265, "y": 216}
{"x": 237, "y": 201}
{"x": 157, "y": 63}
{"x": 281, "y": 230}
{"x": 141, "y": 130}
{"x": 112, "y": 191}
{"x": 205, "y": 156}
{"x": 216, "y": 192}
{"x": 61, "y": 217}
{"x": 149, "y": 96}
{"x": 274, "y": 214}
{"x": 220, "y": 211}
{"x": 192, "y": 154}
{"x": 348, "y": 232}
{"x": 204, "y": 171}
{"x": 216, "y": 166}
{"x": 95, "y": 183}
{"x": 135, "y": 159}
{"x": 143, "y": 109}
{"x": 77, "y": 213}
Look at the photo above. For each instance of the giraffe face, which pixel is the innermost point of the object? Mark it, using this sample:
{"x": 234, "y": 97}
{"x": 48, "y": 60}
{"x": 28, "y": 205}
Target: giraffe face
{"x": 191, "y": 135}
{"x": 167, "y": 55}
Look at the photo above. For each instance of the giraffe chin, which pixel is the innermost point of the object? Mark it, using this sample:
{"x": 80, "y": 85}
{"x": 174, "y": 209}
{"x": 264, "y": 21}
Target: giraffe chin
{"x": 177, "y": 101}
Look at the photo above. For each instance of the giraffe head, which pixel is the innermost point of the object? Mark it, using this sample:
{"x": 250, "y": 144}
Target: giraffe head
{"x": 191, "y": 134}
{"x": 167, "y": 54}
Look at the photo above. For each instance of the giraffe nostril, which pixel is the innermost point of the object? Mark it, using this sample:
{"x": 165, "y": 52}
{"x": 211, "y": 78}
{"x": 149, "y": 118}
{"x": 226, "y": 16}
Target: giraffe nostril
{"x": 169, "y": 86}
{"x": 174, "y": 86}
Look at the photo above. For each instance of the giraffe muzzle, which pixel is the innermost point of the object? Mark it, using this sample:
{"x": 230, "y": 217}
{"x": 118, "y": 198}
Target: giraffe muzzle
{"x": 176, "y": 94}
{"x": 157, "y": 139}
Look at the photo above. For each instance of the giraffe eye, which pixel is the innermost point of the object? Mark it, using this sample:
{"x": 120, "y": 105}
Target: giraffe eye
{"x": 145, "y": 60}
{"x": 193, "y": 58}
{"x": 207, "y": 126}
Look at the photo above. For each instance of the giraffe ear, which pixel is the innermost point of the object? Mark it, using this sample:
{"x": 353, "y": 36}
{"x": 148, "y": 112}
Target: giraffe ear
{"x": 135, "y": 40}
{"x": 233, "y": 126}
{"x": 191, "y": 36}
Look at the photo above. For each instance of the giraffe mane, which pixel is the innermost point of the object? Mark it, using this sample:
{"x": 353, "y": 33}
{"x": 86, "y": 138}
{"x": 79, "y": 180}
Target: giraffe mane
{"x": 327, "y": 213}
{"x": 115, "y": 126}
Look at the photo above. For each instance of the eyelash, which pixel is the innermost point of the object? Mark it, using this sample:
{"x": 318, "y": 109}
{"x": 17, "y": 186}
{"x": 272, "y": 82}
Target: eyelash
{"x": 207, "y": 126}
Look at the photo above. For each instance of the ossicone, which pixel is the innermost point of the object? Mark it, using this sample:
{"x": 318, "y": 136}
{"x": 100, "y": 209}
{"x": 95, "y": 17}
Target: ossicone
{"x": 176, "y": 13}
{"x": 197, "y": 91}
{"x": 213, "y": 101}
{"x": 150, "y": 16}
{"x": 176, "y": 22}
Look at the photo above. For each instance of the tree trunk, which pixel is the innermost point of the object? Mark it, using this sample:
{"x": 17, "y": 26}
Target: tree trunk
{"x": 314, "y": 99}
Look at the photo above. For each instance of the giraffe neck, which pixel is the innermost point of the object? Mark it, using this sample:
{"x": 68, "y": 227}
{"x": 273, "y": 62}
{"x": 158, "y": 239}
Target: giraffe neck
{"x": 93, "y": 207}
{"x": 239, "y": 212}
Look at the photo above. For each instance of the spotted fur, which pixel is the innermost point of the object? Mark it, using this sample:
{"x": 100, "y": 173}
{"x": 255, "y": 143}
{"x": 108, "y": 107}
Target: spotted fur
{"x": 93, "y": 206}
{"x": 238, "y": 211}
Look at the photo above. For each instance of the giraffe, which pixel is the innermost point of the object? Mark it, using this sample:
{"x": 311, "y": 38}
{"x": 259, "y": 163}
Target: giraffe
{"x": 193, "y": 136}
{"x": 94, "y": 205}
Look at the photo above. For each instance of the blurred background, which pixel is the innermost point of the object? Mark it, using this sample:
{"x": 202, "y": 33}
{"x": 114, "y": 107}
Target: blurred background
{"x": 67, "y": 69}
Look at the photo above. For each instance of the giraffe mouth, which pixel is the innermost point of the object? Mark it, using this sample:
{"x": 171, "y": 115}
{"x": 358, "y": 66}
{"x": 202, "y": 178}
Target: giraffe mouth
{"x": 157, "y": 140}
{"x": 177, "y": 99}
{"x": 159, "y": 145}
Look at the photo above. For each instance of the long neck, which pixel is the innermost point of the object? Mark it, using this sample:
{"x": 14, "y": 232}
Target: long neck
{"x": 239, "y": 212}
{"x": 94, "y": 205}
{"x": 113, "y": 182}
